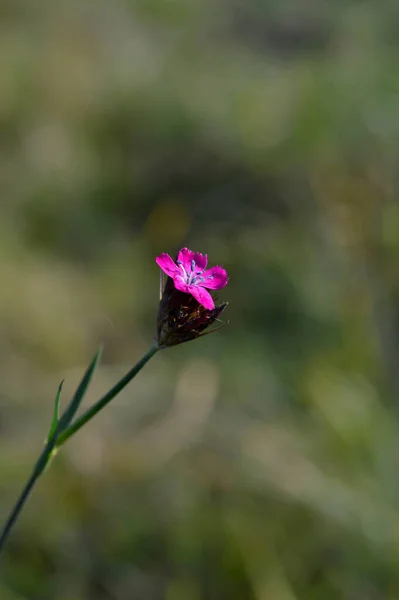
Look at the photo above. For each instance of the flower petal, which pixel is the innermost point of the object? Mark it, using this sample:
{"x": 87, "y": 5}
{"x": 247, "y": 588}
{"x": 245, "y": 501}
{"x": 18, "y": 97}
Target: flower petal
{"x": 166, "y": 263}
{"x": 214, "y": 278}
{"x": 200, "y": 294}
{"x": 186, "y": 256}
{"x": 181, "y": 285}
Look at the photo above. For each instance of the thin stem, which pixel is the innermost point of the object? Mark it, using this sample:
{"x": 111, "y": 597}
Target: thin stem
{"x": 37, "y": 471}
{"x": 99, "y": 405}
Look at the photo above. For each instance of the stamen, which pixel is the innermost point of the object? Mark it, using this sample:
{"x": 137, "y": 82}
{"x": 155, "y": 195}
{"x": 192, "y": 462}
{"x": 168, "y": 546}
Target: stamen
{"x": 193, "y": 265}
{"x": 186, "y": 277}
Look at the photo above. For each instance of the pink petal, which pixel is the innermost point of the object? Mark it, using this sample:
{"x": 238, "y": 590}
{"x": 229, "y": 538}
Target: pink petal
{"x": 217, "y": 278}
{"x": 186, "y": 256}
{"x": 167, "y": 265}
{"x": 181, "y": 285}
{"x": 200, "y": 294}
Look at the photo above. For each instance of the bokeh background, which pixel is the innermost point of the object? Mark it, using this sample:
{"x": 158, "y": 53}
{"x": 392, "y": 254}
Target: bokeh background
{"x": 259, "y": 463}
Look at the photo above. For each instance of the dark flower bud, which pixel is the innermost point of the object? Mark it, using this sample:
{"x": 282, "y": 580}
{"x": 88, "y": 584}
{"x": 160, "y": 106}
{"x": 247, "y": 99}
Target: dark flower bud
{"x": 182, "y": 318}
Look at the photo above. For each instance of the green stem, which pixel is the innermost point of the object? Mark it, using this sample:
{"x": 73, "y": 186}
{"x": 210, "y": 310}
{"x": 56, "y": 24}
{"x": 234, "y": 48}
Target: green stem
{"x": 99, "y": 405}
{"x": 37, "y": 471}
{"x": 58, "y": 438}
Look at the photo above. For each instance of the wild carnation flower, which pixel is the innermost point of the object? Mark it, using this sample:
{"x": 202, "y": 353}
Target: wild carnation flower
{"x": 187, "y": 308}
{"x": 189, "y": 275}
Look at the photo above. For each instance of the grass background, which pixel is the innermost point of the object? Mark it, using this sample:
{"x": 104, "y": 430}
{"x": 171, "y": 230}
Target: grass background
{"x": 260, "y": 463}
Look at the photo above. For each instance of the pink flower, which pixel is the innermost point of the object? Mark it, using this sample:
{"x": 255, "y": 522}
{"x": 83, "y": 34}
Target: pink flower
{"x": 189, "y": 275}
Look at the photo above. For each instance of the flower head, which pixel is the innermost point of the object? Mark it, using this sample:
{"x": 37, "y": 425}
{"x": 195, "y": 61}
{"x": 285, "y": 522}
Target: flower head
{"x": 189, "y": 275}
{"x": 187, "y": 308}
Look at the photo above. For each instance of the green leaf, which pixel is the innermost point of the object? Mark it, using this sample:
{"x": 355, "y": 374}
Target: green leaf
{"x": 74, "y": 404}
{"x": 56, "y": 414}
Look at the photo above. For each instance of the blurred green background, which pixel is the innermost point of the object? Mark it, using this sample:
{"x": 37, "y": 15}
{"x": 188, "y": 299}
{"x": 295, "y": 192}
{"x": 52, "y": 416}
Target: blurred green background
{"x": 259, "y": 463}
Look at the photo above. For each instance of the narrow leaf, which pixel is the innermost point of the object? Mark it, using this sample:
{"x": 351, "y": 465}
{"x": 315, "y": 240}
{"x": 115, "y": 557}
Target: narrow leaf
{"x": 74, "y": 404}
{"x": 56, "y": 414}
